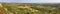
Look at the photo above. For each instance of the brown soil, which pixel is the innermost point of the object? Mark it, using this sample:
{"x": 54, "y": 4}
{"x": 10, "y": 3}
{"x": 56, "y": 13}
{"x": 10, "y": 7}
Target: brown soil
{"x": 1, "y": 10}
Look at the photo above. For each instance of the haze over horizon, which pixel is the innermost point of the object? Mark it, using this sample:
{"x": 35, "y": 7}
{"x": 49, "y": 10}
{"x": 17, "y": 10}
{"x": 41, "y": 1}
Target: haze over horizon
{"x": 32, "y": 1}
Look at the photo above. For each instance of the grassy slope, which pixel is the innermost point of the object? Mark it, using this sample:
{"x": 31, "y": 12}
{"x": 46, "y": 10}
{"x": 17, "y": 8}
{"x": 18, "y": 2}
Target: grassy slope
{"x": 12, "y": 9}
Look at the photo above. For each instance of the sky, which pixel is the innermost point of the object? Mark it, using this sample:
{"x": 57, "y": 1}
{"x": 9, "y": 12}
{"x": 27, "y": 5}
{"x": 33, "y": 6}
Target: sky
{"x": 32, "y": 1}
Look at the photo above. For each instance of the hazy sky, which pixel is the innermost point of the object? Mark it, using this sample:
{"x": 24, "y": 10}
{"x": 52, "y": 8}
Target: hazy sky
{"x": 32, "y": 1}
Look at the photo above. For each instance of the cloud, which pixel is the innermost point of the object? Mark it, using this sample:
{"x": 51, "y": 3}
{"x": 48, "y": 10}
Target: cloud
{"x": 50, "y": 1}
{"x": 43, "y": 1}
{"x": 32, "y": 1}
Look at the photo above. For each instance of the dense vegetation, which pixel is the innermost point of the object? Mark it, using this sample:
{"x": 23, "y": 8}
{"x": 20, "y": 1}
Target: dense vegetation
{"x": 12, "y": 8}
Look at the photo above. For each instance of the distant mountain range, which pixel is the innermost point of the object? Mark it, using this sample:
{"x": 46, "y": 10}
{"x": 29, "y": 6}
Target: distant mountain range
{"x": 52, "y": 4}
